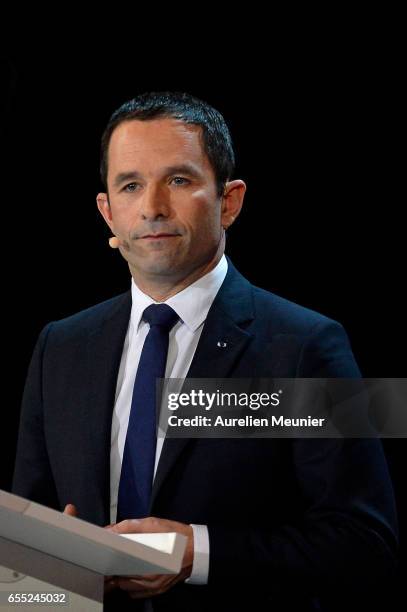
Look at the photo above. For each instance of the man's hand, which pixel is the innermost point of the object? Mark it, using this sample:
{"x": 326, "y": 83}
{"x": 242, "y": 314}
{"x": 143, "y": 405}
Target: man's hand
{"x": 153, "y": 584}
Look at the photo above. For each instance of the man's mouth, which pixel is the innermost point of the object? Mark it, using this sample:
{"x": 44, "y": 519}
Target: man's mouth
{"x": 158, "y": 236}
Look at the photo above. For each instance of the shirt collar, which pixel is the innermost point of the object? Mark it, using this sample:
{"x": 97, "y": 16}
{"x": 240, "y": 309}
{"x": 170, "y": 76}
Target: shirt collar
{"x": 191, "y": 304}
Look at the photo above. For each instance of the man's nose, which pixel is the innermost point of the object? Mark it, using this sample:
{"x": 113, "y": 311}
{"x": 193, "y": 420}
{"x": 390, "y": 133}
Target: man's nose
{"x": 155, "y": 202}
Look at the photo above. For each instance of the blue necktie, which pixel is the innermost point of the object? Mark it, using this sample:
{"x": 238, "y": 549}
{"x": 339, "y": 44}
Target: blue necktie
{"x": 136, "y": 477}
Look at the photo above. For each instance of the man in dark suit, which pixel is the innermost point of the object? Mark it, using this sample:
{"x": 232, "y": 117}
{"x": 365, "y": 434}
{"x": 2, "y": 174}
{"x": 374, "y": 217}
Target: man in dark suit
{"x": 270, "y": 523}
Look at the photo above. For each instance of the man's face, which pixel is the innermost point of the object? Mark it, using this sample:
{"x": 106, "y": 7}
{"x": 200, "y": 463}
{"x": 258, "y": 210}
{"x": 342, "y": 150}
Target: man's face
{"x": 164, "y": 205}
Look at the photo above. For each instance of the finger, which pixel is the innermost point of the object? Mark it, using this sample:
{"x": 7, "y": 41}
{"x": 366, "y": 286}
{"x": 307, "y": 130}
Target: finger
{"x": 149, "y": 577}
{"x": 71, "y": 510}
{"x": 151, "y": 524}
{"x": 149, "y": 592}
{"x": 127, "y": 526}
{"x": 132, "y": 584}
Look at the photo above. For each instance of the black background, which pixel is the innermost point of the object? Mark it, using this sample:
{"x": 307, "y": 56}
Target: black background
{"x": 319, "y": 146}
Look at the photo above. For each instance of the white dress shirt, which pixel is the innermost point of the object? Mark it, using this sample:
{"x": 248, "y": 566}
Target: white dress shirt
{"x": 191, "y": 305}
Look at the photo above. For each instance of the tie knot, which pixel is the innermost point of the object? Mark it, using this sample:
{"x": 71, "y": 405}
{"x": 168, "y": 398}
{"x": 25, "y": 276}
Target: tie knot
{"x": 160, "y": 314}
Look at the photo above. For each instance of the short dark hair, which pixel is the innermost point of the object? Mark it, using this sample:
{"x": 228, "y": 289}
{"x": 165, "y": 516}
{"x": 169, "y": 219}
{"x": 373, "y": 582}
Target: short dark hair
{"x": 217, "y": 142}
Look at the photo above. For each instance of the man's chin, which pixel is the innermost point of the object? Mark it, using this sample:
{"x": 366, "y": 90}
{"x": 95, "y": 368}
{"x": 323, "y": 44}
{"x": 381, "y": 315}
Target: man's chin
{"x": 158, "y": 267}
{"x": 159, "y": 270}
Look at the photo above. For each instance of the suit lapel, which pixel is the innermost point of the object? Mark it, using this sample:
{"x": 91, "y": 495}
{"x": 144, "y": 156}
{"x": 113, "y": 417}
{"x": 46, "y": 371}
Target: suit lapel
{"x": 231, "y": 310}
{"x": 104, "y": 351}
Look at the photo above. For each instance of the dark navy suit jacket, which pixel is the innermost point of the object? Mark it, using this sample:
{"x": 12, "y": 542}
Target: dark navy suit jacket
{"x": 287, "y": 519}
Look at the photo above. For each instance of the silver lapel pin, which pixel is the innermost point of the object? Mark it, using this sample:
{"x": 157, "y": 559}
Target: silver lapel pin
{"x": 222, "y": 344}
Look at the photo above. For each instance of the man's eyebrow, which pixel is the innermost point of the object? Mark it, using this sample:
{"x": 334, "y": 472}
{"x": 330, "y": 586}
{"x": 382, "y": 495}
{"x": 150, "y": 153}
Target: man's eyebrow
{"x": 178, "y": 169}
{"x": 123, "y": 177}
{"x": 183, "y": 169}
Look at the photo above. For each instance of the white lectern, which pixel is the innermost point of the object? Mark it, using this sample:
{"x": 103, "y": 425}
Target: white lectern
{"x": 52, "y": 561}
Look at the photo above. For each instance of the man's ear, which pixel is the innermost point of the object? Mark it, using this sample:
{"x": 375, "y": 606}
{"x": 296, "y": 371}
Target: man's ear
{"x": 104, "y": 208}
{"x": 232, "y": 201}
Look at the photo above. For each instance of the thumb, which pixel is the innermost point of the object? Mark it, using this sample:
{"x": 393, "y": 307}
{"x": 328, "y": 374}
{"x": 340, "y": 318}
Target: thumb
{"x": 71, "y": 510}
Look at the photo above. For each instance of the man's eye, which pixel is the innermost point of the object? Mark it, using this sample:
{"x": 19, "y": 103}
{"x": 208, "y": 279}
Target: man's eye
{"x": 180, "y": 180}
{"x": 130, "y": 187}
